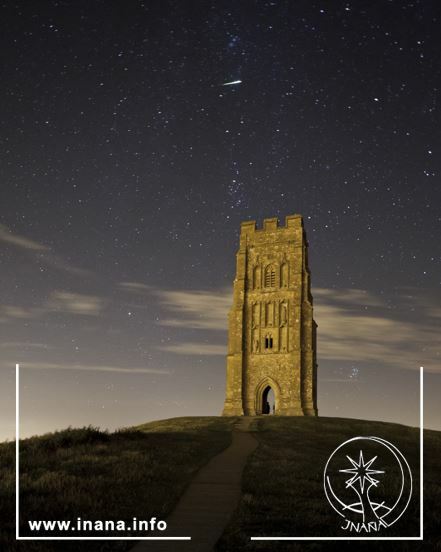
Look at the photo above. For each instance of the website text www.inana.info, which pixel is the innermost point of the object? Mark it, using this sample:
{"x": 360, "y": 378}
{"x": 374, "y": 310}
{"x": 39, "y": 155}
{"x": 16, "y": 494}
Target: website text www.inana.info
{"x": 153, "y": 524}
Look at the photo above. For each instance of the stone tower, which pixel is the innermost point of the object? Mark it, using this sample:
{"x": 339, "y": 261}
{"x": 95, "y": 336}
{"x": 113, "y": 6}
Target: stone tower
{"x": 272, "y": 334}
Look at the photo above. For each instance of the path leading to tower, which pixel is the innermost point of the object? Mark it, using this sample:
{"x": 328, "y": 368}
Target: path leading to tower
{"x": 210, "y": 500}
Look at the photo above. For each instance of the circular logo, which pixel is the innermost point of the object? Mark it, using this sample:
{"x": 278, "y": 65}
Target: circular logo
{"x": 368, "y": 482}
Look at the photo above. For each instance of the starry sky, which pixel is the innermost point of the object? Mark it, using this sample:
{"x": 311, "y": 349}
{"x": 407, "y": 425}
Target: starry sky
{"x": 128, "y": 163}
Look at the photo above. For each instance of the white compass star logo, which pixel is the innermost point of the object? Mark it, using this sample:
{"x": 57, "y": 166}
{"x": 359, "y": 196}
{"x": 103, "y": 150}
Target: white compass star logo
{"x": 362, "y": 472}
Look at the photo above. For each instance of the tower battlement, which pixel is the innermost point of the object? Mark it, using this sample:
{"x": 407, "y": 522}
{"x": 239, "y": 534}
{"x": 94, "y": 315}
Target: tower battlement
{"x": 271, "y": 224}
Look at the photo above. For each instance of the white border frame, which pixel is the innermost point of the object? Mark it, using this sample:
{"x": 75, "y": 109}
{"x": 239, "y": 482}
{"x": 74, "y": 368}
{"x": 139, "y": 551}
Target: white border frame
{"x": 351, "y": 538}
{"x": 17, "y": 488}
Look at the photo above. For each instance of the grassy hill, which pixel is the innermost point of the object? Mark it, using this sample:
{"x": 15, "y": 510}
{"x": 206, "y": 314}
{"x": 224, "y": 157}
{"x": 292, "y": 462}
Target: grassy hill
{"x": 139, "y": 472}
{"x": 142, "y": 471}
{"x": 282, "y": 485}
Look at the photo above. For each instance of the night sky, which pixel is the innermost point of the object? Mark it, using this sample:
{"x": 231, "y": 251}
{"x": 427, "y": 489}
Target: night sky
{"x": 128, "y": 163}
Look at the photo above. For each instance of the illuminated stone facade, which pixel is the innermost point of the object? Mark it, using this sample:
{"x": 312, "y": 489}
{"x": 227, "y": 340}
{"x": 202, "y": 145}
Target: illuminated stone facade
{"x": 272, "y": 333}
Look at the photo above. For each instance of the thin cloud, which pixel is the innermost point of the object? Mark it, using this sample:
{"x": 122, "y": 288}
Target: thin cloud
{"x": 91, "y": 368}
{"x": 375, "y": 336}
{"x": 40, "y": 252}
{"x": 433, "y": 312}
{"x": 350, "y": 297}
{"x": 75, "y": 303}
{"x": 24, "y": 345}
{"x": 7, "y": 236}
{"x": 59, "y": 302}
{"x": 60, "y": 264}
{"x": 135, "y": 287}
{"x": 14, "y": 312}
{"x": 353, "y": 325}
{"x": 195, "y": 349}
{"x": 197, "y": 309}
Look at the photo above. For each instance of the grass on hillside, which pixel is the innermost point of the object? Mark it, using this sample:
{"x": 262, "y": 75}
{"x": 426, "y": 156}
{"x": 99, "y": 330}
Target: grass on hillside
{"x": 142, "y": 472}
{"x": 282, "y": 486}
{"x": 97, "y": 475}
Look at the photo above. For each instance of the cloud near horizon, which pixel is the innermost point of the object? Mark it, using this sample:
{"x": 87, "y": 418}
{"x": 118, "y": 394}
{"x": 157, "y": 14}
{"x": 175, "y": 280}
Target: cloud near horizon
{"x": 40, "y": 252}
{"x": 354, "y": 325}
{"x": 7, "y": 236}
{"x": 196, "y": 348}
{"x": 196, "y": 309}
{"x": 58, "y": 302}
{"x": 135, "y": 287}
{"x": 90, "y": 368}
{"x": 75, "y": 303}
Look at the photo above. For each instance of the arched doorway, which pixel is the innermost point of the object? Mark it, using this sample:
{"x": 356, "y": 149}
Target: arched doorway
{"x": 268, "y": 401}
{"x": 267, "y": 397}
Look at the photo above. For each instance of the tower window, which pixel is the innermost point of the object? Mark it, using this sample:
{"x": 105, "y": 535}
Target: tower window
{"x": 268, "y": 342}
{"x": 270, "y": 276}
